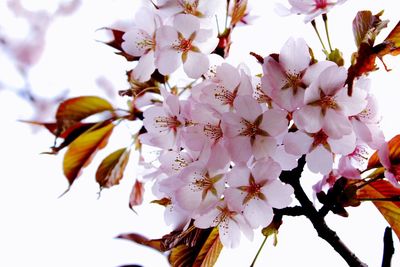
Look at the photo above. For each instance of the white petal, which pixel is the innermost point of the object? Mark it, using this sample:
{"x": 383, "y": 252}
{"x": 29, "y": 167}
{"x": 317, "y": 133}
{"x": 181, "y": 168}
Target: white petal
{"x": 166, "y": 36}
{"x": 258, "y": 213}
{"x": 320, "y": 160}
{"x": 312, "y": 73}
{"x": 238, "y": 176}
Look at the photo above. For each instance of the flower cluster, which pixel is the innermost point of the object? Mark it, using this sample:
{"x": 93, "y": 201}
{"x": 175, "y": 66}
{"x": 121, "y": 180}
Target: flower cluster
{"x": 224, "y": 146}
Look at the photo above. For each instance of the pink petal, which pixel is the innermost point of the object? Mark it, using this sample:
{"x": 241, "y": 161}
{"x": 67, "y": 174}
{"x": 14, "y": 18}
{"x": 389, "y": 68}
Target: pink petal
{"x": 229, "y": 76}
{"x": 168, "y": 60}
{"x": 247, "y": 107}
{"x": 285, "y": 160}
{"x": 278, "y": 195}
{"x": 186, "y": 24}
{"x": 145, "y": 67}
{"x": 297, "y": 143}
{"x": 238, "y": 176}
{"x": 266, "y": 170}
{"x": 308, "y": 118}
{"x": 166, "y": 36}
{"x": 344, "y": 145}
{"x": 274, "y": 122}
{"x": 320, "y": 160}
{"x": 258, "y": 213}
{"x": 354, "y": 104}
{"x": 336, "y": 124}
{"x": 263, "y": 146}
{"x": 240, "y": 149}
{"x": 195, "y": 65}
{"x": 295, "y": 55}
{"x": 332, "y": 79}
{"x": 312, "y": 73}
{"x": 135, "y": 42}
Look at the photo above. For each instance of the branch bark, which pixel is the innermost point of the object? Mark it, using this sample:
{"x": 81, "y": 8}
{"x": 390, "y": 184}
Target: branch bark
{"x": 317, "y": 219}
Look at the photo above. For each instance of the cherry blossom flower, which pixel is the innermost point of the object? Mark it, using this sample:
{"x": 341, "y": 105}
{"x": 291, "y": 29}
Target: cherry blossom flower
{"x": 250, "y": 131}
{"x": 221, "y": 90}
{"x": 319, "y": 148}
{"x": 310, "y": 8}
{"x": 257, "y": 191}
{"x": 163, "y": 123}
{"x": 328, "y": 106}
{"x": 392, "y": 170}
{"x": 185, "y": 43}
{"x": 230, "y": 223}
{"x": 140, "y": 41}
{"x": 198, "y": 8}
{"x": 199, "y": 188}
{"x": 283, "y": 78}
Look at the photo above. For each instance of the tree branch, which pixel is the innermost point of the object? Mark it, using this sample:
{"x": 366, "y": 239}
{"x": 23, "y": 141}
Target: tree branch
{"x": 388, "y": 248}
{"x": 293, "y": 178}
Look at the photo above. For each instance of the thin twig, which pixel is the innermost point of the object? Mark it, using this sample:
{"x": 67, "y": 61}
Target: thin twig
{"x": 388, "y": 248}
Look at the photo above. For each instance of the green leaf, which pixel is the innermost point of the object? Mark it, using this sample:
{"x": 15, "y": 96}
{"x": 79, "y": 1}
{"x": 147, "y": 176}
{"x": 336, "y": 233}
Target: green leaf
{"x": 83, "y": 149}
{"x": 111, "y": 169}
{"x": 73, "y": 110}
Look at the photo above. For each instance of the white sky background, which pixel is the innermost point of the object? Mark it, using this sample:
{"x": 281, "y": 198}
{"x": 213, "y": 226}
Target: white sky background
{"x": 39, "y": 229}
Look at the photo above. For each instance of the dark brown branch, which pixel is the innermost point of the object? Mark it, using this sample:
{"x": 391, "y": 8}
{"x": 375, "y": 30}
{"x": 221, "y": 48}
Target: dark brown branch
{"x": 293, "y": 178}
{"x": 388, "y": 248}
{"x": 290, "y": 211}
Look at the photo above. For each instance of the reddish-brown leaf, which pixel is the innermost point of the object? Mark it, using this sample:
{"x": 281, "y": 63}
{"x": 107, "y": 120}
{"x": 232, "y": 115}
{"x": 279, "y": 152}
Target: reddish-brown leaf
{"x": 73, "y": 110}
{"x": 367, "y": 26}
{"x": 136, "y": 197}
{"x": 139, "y": 239}
{"x": 394, "y": 154}
{"x": 364, "y": 58}
{"x": 50, "y": 126}
{"x": 111, "y": 169}
{"x": 210, "y": 251}
{"x": 381, "y": 190}
{"x": 83, "y": 149}
{"x": 116, "y": 43}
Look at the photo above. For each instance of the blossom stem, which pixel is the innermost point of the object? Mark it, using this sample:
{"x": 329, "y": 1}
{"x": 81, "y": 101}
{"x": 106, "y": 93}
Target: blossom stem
{"x": 325, "y": 18}
{"x": 317, "y": 32}
{"x": 258, "y": 252}
{"x": 293, "y": 178}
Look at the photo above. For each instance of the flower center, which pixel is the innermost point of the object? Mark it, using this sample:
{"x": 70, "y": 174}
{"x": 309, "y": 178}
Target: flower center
{"x": 293, "y": 80}
{"x": 321, "y": 4}
{"x": 167, "y": 122}
{"x": 213, "y": 131}
{"x": 226, "y": 97}
{"x": 184, "y": 45}
{"x": 320, "y": 138}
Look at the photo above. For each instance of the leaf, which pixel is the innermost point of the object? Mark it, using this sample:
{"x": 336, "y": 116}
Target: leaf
{"x": 394, "y": 154}
{"x": 136, "y": 197}
{"x": 390, "y": 210}
{"x": 73, "y": 110}
{"x": 364, "y": 59}
{"x": 116, "y": 43}
{"x": 210, "y": 251}
{"x": 367, "y": 26}
{"x": 111, "y": 169}
{"x": 239, "y": 11}
{"x": 139, "y": 239}
{"x": 83, "y": 149}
